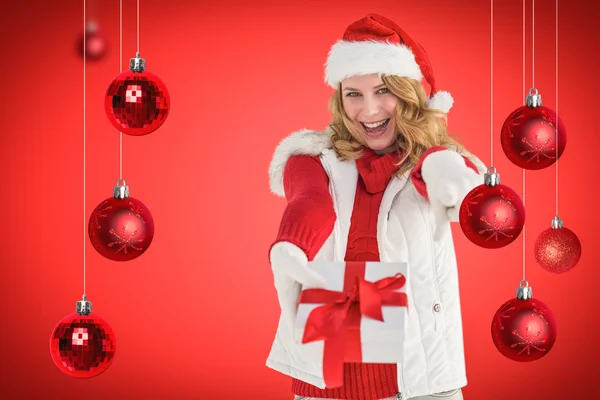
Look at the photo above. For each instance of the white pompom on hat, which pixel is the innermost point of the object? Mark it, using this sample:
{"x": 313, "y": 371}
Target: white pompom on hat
{"x": 377, "y": 45}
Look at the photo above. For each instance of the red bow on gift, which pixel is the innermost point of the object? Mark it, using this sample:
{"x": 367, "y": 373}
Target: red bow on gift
{"x": 338, "y": 321}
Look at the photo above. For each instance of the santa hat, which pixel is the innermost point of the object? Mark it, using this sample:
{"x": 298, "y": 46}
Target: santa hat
{"x": 377, "y": 45}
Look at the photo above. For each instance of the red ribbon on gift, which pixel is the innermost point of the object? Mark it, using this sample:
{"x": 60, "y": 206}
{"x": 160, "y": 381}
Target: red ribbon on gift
{"x": 337, "y": 322}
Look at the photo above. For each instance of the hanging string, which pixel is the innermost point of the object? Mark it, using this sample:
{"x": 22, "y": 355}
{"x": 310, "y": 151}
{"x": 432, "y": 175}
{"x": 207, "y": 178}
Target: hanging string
{"x": 84, "y": 212}
{"x": 523, "y": 35}
{"x": 532, "y": 43}
{"x": 138, "y": 26}
{"x": 120, "y": 70}
{"x": 556, "y": 95}
{"x": 533, "y": 85}
{"x": 492, "y": 83}
{"x": 523, "y": 233}
{"x": 524, "y": 91}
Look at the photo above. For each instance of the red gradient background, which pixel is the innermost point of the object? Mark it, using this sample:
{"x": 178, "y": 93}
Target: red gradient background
{"x": 195, "y": 316}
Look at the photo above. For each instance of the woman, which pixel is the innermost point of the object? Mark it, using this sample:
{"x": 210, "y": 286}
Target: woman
{"x": 381, "y": 183}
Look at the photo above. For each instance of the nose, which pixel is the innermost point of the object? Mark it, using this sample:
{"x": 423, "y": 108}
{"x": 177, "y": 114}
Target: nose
{"x": 371, "y": 106}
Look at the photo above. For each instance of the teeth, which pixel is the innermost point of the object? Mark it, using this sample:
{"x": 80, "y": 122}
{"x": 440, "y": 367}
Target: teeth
{"x": 374, "y": 125}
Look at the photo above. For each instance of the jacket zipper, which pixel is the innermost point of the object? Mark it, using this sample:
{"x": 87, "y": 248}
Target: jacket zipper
{"x": 400, "y": 382}
{"x": 383, "y": 258}
{"x": 336, "y": 229}
{"x": 432, "y": 249}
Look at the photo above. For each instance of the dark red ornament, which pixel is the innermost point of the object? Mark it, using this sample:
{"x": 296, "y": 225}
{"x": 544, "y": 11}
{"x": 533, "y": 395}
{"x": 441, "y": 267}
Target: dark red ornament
{"x": 530, "y": 135}
{"x": 137, "y": 102}
{"x": 492, "y": 215}
{"x": 121, "y": 228}
{"x": 524, "y": 329}
{"x": 95, "y": 43}
{"x": 82, "y": 345}
{"x": 557, "y": 249}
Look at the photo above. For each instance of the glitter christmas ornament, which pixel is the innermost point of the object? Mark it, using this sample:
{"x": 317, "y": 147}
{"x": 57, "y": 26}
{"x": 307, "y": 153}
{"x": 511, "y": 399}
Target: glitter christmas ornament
{"x": 121, "y": 228}
{"x": 492, "y": 215}
{"x": 82, "y": 345}
{"x": 531, "y": 134}
{"x": 524, "y": 329}
{"x": 95, "y": 43}
{"x": 137, "y": 102}
{"x": 557, "y": 249}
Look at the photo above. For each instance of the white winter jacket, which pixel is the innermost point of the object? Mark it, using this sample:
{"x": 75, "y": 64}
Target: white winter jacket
{"x": 433, "y": 352}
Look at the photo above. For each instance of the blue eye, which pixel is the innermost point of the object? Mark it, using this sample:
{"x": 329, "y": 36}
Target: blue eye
{"x": 356, "y": 94}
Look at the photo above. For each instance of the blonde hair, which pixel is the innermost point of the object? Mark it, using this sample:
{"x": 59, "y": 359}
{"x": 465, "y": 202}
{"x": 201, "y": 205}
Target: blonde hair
{"x": 417, "y": 127}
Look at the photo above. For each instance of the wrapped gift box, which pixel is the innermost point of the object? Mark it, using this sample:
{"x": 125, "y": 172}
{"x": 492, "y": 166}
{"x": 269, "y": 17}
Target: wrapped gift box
{"x": 360, "y": 316}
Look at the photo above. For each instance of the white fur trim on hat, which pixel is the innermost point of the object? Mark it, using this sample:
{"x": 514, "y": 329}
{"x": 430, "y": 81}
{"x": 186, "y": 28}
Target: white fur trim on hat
{"x": 348, "y": 59}
{"x": 441, "y": 100}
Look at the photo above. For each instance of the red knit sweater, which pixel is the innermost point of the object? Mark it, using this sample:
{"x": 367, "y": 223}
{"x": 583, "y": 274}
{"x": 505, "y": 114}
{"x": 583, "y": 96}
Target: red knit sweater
{"x": 308, "y": 221}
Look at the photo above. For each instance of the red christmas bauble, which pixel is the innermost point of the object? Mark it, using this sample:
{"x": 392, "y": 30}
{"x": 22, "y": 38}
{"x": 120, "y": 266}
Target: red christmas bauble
{"x": 524, "y": 330}
{"x": 95, "y": 44}
{"x": 137, "y": 103}
{"x": 529, "y": 137}
{"x": 82, "y": 346}
{"x": 557, "y": 250}
{"x": 492, "y": 216}
{"x": 121, "y": 229}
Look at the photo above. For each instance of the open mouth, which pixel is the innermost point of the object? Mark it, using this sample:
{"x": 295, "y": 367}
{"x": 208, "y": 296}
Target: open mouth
{"x": 375, "y": 127}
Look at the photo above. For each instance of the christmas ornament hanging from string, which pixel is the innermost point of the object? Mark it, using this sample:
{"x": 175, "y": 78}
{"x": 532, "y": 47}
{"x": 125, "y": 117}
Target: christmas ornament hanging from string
{"x": 492, "y": 215}
{"x": 557, "y": 249}
{"x": 83, "y": 345}
{"x": 121, "y": 228}
{"x": 95, "y": 43}
{"x": 524, "y": 329}
{"x": 137, "y": 102}
{"x": 533, "y": 136}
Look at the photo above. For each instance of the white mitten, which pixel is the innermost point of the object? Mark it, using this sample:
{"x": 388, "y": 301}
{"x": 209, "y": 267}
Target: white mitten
{"x": 448, "y": 180}
{"x": 290, "y": 271}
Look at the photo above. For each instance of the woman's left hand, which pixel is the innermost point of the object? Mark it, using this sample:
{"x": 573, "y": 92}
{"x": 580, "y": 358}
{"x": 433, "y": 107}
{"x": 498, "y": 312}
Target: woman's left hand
{"x": 448, "y": 180}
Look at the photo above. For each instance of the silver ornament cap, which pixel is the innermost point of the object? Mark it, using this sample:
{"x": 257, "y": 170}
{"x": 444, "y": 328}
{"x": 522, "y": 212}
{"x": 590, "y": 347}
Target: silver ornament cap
{"x": 533, "y": 99}
{"x": 84, "y": 307}
{"x": 491, "y": 178}
{"x": 92, "y": 27}
{"x": 557, "y": 223}
{"x": 121, "y": 190}
{"x": 137, "y": 64}
{"x": 524, "y": 292}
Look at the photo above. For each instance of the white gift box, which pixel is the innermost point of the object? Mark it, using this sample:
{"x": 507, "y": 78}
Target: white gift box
{"x": 380, "y": 341}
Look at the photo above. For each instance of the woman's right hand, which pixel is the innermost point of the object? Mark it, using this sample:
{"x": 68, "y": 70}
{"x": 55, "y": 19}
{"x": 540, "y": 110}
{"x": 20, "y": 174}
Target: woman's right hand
{"x": 290, "y": 271}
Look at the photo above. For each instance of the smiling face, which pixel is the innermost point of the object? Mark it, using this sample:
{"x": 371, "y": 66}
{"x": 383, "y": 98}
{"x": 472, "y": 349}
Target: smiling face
{"x": 371, "y": 108}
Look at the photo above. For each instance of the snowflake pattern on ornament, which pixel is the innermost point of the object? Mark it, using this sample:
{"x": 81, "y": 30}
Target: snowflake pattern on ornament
{"x": 514, "y": 122}
{"x": 527, "y": 342}
{"x": 472, "y": 201}
{"x": 101, "y": 213}
{"x": 504, "y": 313}
{"x": 495, "y": 229}
{"x": 137, "y": 211}
{"x": 539, "y": 312}
{"x": 537, "y": 149}
{"x": 504, "y": 198}
{"x": 124, "y": 241}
